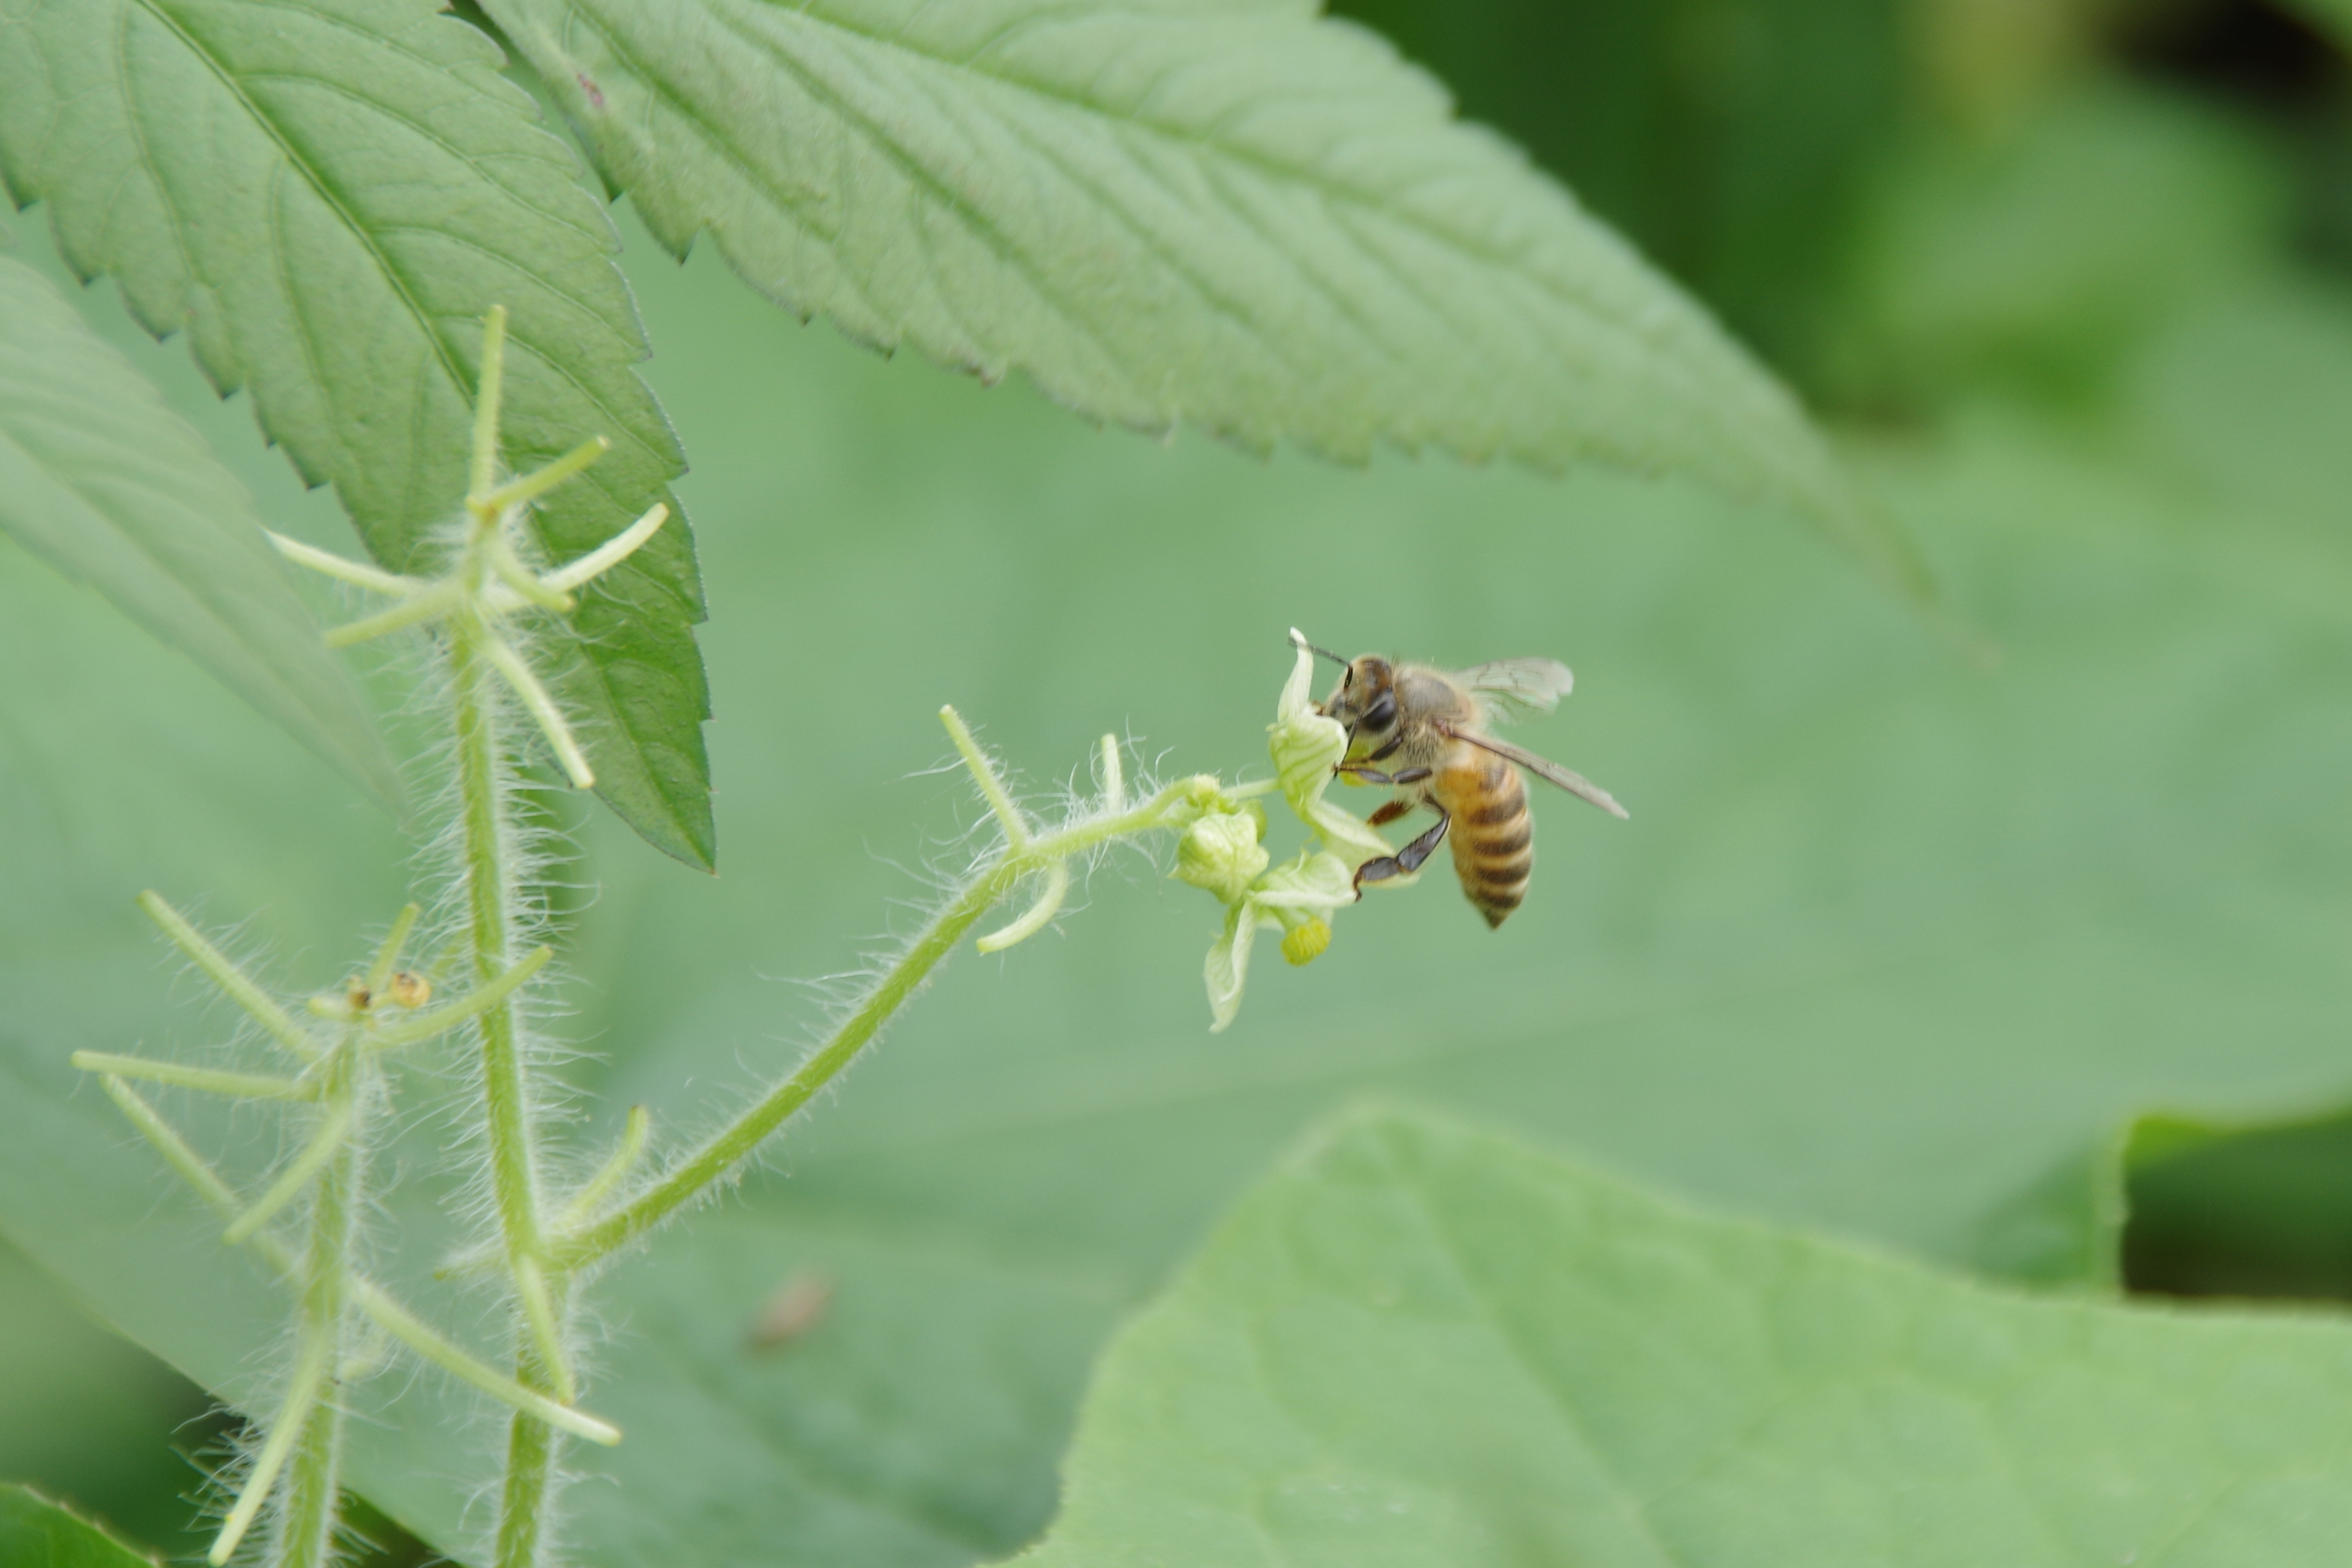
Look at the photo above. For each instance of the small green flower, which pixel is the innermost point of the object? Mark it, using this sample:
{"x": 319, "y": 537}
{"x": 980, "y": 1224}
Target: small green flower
{"x": 1222, "y": 852}
{"x": 1297, "y": 896}
{"x": 1305, "y": 747}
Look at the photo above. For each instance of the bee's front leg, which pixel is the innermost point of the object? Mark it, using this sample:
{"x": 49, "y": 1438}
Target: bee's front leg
{"x": 1407, "y": 859}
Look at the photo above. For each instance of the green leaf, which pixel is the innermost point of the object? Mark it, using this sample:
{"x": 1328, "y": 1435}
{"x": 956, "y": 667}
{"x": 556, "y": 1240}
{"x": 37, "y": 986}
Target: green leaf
{"x": 2068, "y": 1227}
{"x": 35, "y": 1532}
{"x": 104, "y": 482}
{"x": 1886, "y": 938}
{"x": 330, "y": 195}
{"x": 2188, "y": 1205}
{"x": 2250, "y": 1209}
{"x": 93, "y": 1417}
{"x": 1421, "y": 1344}
{"x": 1243, "y": 218}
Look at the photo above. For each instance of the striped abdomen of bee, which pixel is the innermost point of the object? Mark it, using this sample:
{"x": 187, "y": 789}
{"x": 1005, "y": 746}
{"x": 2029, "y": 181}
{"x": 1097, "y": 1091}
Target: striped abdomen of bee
{"x": 1493, "y": 831}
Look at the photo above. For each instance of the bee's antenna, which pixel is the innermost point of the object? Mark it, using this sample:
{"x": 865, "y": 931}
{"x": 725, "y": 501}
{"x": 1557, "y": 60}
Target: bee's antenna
{"x": 1298, "y": 640}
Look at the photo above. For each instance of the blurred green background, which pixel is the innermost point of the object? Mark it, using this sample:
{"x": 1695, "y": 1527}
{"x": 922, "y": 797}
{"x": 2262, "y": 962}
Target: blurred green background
{"x": 1889, "y": 938}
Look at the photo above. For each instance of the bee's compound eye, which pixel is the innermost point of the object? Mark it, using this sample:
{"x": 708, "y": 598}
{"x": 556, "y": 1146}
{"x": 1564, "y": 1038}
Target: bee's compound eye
{"x": 1381, "y": 712}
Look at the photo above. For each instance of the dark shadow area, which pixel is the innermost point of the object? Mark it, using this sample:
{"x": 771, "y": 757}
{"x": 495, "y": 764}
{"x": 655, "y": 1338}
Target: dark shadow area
{"x": 2266, "y": 1214}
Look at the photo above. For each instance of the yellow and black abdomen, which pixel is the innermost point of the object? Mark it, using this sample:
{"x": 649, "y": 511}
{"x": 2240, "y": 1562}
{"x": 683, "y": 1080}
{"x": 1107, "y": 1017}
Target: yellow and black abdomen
{"x": 1493, "y": 832}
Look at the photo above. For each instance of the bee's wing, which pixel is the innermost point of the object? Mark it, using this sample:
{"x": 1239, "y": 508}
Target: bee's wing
{"x": 1536, "y": 683}
{"x": 1548, "y": 771}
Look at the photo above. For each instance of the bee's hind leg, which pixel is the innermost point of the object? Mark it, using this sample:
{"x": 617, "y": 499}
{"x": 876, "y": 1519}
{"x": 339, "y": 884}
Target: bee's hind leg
{"x": 1406, "y": 860}
{"x": 1389, "y": 810}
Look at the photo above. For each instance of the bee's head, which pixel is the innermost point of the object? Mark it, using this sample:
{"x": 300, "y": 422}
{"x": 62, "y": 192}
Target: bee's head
{"x": 1365, "y": 699}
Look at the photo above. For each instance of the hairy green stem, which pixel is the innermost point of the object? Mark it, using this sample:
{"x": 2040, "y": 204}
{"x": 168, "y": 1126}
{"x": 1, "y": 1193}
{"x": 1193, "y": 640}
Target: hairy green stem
{"x": 723, "y": 1150}
{"x": 992, "y": 786}
{"x": 529, "y": 487}
{"x": 485, "y": 862}
{"x": 235, "y": 1085}
{"x": 310, "y": 1369}
{"x": 526, "y": 1499}
{"x": 307, "y": 1532}
{"x": 332, "y": 1138}
{"x": 368, "y": 1297}
{"x": 615, "y": 1170}
{"x": 233, "y": 981}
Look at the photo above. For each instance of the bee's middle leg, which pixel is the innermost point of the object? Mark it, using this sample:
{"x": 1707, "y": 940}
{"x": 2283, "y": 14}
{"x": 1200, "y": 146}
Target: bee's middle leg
{"x": 1372, "y": 776}
{"x": 1407, "y": 859}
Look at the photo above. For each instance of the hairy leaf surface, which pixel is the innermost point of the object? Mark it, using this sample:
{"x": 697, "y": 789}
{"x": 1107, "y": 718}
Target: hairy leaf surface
{"x": 1243, "y": 218}
{"x": 328, "y": 195}
{"x": 104, "y": 482}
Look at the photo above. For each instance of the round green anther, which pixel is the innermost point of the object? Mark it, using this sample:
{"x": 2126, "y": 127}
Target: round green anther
{"x": 1305, "y": 942}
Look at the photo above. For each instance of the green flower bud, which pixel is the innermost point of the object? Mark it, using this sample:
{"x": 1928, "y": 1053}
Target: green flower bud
{"x": 1221, "y": 853}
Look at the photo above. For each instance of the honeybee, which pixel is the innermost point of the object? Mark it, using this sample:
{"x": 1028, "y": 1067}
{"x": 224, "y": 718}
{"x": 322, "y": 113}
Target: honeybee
{"x": 1430, "y": 725}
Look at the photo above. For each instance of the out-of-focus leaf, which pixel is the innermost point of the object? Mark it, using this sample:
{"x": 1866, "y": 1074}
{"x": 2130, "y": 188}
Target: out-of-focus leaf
{"x": 1886, "y": 938}
{"x": 2333, "y": 16}
{"x": 2177, "y": 1203}
{"x": 94, "y": 1418}
{"x": 104, "y": 482}
{"x": 328, "y": 195}
{"x": 2063, "y": 1230}
{"x": 1732, "y": 143}
{"x": 2068, "y": 1227}
{"x": 2040, "y": 255}
{"x": 35, "y": 1532}
{"x": 1987, "y": 66}
{"x": 1419, "y": 1344}
{"x": 2242, "y": 402}
{"x": 1243, "y": 218}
